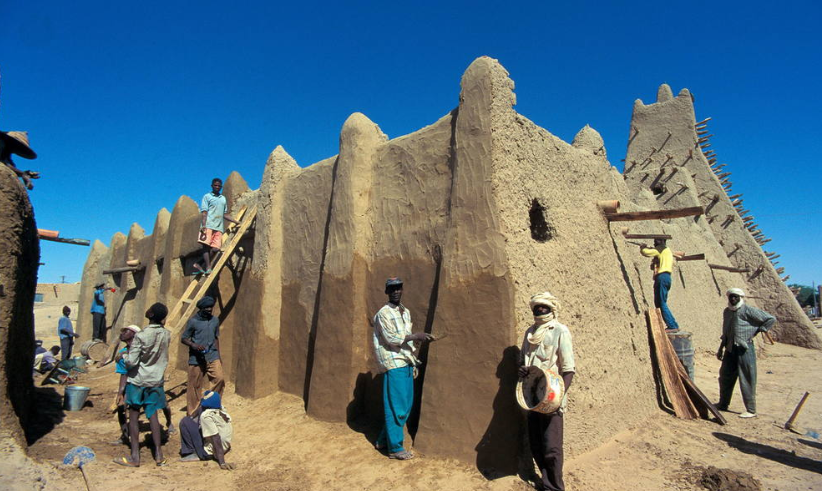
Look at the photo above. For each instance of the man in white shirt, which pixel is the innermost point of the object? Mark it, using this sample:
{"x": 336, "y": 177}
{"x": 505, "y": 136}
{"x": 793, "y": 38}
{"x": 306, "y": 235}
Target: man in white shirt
{"x": 394, "y": 349}
{"x": 547, "y": 345}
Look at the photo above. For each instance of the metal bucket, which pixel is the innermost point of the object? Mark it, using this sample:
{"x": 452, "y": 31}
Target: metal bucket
{"x": 540, "y": 391}
{"x": 75, "y": 397}
{"x": 684, "y": 349}
{"x": 94, "y": 350}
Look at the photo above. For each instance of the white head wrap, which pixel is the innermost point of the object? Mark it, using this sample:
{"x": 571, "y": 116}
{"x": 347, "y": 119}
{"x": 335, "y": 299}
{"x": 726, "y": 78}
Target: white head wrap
{"x": 544, "y": 322}
{"x": 736, "y": 291}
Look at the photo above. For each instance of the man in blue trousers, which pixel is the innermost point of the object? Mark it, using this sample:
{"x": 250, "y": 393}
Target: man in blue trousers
{"x": 663, "y": 267}
{"x": 394, "y": 347}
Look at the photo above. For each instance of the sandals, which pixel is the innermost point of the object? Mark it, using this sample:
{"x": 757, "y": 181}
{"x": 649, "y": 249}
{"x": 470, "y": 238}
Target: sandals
{"x": 124, "y": 461}
{"x": 162, "y": 463}
{"x": 401, "y": 455}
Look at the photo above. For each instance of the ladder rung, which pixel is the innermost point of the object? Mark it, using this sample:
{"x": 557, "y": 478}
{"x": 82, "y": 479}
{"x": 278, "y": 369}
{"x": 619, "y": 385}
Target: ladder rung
{"x": 186, "y": 300}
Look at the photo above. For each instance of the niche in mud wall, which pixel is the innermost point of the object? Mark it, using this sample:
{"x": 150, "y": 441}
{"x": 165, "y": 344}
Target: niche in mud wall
{"x": 541, "y": 229}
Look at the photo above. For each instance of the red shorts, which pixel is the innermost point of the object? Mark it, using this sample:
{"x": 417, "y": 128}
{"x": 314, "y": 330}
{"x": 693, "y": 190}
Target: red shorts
{"x": 209, "y": 237}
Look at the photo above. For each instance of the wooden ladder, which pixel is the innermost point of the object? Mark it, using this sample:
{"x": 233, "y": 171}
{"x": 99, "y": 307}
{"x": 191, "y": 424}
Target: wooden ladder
{"x": 185, "y": 307}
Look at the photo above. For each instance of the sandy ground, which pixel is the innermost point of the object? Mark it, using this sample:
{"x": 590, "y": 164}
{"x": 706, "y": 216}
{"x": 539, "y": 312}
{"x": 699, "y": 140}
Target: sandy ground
{"x": 277, "y": 447}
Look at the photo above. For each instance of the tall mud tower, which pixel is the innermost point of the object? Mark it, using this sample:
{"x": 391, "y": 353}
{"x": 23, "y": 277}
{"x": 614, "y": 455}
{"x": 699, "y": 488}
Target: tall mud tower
{"x": 670, "y": 161}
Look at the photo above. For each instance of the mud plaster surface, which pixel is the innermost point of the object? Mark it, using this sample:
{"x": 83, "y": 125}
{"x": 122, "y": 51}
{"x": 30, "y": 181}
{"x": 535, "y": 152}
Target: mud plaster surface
{"x": 18, "y": 277}
{"x": 447, "y": 208}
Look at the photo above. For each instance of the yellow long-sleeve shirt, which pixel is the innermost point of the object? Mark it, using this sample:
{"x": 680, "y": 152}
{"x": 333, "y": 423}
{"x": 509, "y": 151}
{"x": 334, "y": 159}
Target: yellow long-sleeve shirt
{"x": 666, "y": 259}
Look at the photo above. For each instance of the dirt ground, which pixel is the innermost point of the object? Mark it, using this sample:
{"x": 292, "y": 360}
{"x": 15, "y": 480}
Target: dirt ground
{"x": 277, "y": 447}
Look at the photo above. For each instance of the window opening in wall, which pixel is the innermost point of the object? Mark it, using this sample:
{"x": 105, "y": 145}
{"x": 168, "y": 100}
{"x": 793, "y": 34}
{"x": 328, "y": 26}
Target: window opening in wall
{"x": 541, "y": 230}
{"x": 658, "y": 189}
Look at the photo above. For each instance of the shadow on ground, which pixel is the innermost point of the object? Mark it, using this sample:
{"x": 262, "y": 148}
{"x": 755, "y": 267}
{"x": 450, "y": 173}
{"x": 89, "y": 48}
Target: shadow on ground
{"x": 48, "y": 413}
{"x": 784, "y": 457}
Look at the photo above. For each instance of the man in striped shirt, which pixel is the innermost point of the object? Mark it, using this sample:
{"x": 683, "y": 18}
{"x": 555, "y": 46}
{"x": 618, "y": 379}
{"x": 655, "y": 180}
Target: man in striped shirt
{"x": 394, "y": 349}
{"x": 740, "y": 323}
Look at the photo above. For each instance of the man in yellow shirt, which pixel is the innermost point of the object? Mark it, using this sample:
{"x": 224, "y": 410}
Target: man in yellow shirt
{"x": 664, "y": 259}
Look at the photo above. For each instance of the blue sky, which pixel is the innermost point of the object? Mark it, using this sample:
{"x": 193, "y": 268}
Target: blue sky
{"x": 131, "y": 104}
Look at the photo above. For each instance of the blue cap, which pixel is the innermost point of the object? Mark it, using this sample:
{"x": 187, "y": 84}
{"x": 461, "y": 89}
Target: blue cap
{"x": 394, "y": 281}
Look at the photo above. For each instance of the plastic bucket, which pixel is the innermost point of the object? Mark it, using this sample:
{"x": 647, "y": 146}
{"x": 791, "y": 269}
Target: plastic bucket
{"x": 75, "y": 397}
{"x": 540, "y": 391}
{"x": 684, "y": 349}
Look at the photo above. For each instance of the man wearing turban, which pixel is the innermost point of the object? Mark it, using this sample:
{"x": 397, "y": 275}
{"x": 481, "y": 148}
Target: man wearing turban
{"x": 740, "y": 323}
{"x": 547, "y": 345}
{"x": 202, "y": 336}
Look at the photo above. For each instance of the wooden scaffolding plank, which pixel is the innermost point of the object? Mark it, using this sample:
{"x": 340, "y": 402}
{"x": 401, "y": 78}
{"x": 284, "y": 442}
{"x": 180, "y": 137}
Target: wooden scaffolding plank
{"x": 630, "y": 216}
{"x": 215, "y": 271}
{"x": 683, "y": 408}
{"x": 701, "y": 403}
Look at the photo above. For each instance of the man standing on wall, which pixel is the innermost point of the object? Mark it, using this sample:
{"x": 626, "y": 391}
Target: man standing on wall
{"x": 66, "y": 333}
{"x": 98, "y": 313}
{"x": 213, "y": 210}
{"x": 547, "y": 345}
{"x": 394, "y": 347}
{"x": 202, "y": 336}
{"x": 664, "y": 266}
{"x": 740, "y": 323}
{"x": 148, "y": 354}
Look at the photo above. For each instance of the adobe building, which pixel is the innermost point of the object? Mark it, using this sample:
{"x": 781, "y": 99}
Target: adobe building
{"x": 476, "y": 212}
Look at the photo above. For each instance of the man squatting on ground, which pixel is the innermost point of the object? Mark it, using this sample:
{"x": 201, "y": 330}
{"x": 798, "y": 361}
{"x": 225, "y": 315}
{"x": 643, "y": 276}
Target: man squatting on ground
{"x": 662, "y": 279}
{"x": 547, "y": 345}
{"x": 66, "y": 333}
{"x": 202, "y": 336}
{"x": 148, "y": 354}
{"x": 207, "y": 433}
{"x": 127, "y": 336}
{"x": 213, "y": 209}
{"x": 394, "y": 347}
{"x": 98, "y": 313}
{"x": 740, "y": 323}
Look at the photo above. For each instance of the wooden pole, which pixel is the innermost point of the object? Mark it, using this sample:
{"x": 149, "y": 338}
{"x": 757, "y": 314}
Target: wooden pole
{"x": 655, "y": 214}
{"x": 729, "y": 268}
{"x": 48, "y": 233}
{"x": 692, "y": 257}
{"x": 648, "y": 236}
{"x": 609, "y": 206}
{"x": 126, "y": 269}
{"x": 80, "y": 242}
{"x": 792, "y": 419}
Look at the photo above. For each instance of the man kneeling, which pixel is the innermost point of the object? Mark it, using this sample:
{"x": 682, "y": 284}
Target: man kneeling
{"x": 206, "y": 434}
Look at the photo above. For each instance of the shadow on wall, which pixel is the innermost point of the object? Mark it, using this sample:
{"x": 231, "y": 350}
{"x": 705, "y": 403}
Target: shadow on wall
{"x": 771, "y": 453}
{"x": 48, "y": 413}
{"x": 129, "y": 295}
{"x": 364, "y": 412}
{"x": 238, "y": 272}
{"x": 497, "y": 450}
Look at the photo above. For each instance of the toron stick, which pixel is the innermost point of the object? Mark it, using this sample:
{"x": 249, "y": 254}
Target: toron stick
{"x": 792, "y": 419}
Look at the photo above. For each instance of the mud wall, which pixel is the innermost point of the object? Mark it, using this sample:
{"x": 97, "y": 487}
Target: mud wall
{"x": 476, "y": 212}
{"x": 666, "y": 166}
{"x": 18, "y": 283}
